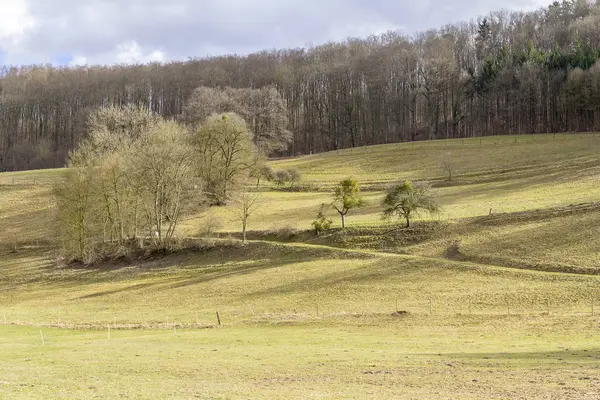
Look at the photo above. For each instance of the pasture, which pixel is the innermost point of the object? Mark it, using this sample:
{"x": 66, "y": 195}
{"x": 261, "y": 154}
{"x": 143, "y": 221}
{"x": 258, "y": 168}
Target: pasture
{"x": 496, "y": 297}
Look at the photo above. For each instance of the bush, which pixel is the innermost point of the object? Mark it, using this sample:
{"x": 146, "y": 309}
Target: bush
{"x": 282, "y": 177}
{"x": 295, "y": 176}
{"x": 322, "y": 223}
{"x": 286, "y": 232}
{"x": 290, "y": 176}
{"x": 262, "y": 172}
{"x": 210, "y": 224}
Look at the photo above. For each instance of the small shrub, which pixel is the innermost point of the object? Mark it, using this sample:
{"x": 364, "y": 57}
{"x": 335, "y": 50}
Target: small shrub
{"x": 322, "y": 223}
{"x": 282, "y": 177}
{"x": 295, "y": 176}
{"x": 210, "y": 224}
{"x": 286, "y": 232}
{"x": 310, "y": 187}
{"x": 262, "y": 172}
{"x": 289, "y": 179}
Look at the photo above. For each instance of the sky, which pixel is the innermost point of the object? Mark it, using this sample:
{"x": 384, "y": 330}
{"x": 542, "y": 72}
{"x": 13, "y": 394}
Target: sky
{"x": 75, "y": 32}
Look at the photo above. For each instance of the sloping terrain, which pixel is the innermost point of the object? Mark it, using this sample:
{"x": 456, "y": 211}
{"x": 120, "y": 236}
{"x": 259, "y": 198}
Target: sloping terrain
{"x": 496, "y": 297}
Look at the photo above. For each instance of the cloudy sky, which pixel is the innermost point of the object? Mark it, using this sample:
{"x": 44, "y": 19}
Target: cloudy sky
{"x": 126, "y": 31}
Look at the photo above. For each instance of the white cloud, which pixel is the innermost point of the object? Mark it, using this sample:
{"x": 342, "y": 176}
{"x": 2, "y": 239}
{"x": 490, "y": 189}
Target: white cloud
{"x": 15, "y": 19}
{"x": 132, "y": 31}
{"x": 15, "y": 23}
{"x": 128, "y": 52}
{"x": 78, "y": 61}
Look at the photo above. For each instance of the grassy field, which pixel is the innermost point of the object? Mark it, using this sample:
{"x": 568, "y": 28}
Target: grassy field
{"x": 366, "y": 358}
{"x": 466, "y": 305}
{"x": 502, "y": 174}
{"x": 478, "y": 159}
{"x": 298, "y": 321}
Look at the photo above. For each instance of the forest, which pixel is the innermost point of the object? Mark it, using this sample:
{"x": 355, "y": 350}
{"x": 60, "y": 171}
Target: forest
{"x": 506, "y": 73}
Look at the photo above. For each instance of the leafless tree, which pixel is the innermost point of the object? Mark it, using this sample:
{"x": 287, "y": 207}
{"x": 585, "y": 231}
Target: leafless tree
{"x": 244, "y": 206}
{"x": 506, "y": 73}
{"x": 225, "y": 154}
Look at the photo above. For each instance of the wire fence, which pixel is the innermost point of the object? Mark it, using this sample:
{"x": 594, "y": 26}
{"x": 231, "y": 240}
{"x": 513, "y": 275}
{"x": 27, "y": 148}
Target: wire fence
{"x": 247, "y": 314}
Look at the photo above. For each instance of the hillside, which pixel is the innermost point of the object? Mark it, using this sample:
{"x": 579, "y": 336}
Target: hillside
{"x": 506, "y": 72}
{"x": 501, "y": 175}
{"x": 469, "y": 304}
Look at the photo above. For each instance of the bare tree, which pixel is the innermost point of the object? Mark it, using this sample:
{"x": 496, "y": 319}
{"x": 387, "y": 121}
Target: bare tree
{"x": 122, "y": 180}
{"x": 78, "y": 214}
{"x": 515, "y": 73}
{"x": 448, "y": 165}
{"x": 225, "y": 153}
{"x": 165, "y": 171}
{"x": 261, "y": 171}
{"x": 263, "y": 110}
{"x": 245, "y": 204}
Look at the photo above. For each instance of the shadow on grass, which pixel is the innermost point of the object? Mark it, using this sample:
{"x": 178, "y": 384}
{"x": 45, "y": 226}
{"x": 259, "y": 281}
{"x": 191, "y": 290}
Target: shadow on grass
{"x": 169, "y": 272}
{"x": 554, "y": 246}
{"x": 27, "y": 226}
{"x": 196, "y": 275}
{"x": 377, "y": 270}
{"x": 496, "y": 185}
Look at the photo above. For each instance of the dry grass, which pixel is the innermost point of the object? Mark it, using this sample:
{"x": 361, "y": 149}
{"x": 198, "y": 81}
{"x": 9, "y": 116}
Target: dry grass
{"x": 275, "y": 342}
{"x": 26, "y": 214}
{"x": 355, "y": 358}
{"x": 567, "y": 243}
{"x": 307, "y": 320}
{"x": 269, "y": 279}
{"x": 474, "y": 160}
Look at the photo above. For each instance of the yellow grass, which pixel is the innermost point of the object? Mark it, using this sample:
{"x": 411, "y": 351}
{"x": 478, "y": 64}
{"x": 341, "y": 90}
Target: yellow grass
{"x": 484, "y": 317}
{"x": 491, "y": 156}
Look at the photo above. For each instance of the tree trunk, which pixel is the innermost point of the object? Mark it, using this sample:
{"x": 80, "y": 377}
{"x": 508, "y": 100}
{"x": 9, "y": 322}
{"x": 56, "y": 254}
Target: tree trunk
{"x": 244, "y": 231}
{"x": 343, "y": 220}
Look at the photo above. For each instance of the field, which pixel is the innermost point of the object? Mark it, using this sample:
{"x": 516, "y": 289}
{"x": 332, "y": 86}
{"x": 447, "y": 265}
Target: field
{"x": 497, "y": 297}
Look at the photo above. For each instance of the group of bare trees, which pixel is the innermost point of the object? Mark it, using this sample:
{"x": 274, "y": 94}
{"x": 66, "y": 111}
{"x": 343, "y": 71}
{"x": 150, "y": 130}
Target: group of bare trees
{"x": 505, "y": 74}
{"x": 136, "y": 175}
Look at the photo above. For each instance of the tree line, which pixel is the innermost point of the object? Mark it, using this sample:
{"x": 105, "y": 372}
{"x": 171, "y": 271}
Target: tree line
{"x": 507, "y": 73}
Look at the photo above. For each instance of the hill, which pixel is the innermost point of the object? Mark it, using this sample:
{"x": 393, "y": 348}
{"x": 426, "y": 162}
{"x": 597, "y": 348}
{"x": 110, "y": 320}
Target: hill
{"x": 470, "y": 304}
{"x": 512, "y": 72}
